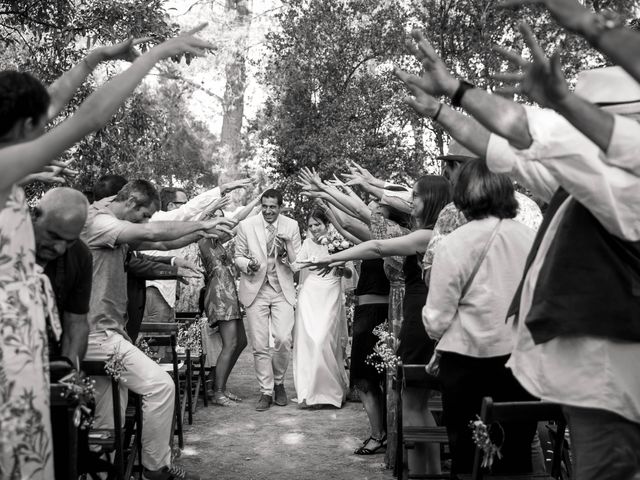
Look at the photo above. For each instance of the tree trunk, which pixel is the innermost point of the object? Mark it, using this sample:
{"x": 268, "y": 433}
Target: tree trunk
{"x": 233, "y": 100}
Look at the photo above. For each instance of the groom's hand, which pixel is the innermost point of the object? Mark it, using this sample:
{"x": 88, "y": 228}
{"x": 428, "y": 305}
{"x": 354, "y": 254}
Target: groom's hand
{"x": 253, "y": 266}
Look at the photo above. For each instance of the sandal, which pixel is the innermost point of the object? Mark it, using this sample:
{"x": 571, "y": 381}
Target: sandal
{"x": 232, "y": 397}
{"x": 364, "y": 450}
{"x": 219, "y": 398}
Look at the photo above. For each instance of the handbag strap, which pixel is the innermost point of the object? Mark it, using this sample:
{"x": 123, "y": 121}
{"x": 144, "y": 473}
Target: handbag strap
{"x": 480, "y": 260}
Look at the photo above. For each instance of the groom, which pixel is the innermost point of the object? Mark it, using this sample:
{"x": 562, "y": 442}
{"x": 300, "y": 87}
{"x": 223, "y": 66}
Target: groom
{"x": 265, "y": 244}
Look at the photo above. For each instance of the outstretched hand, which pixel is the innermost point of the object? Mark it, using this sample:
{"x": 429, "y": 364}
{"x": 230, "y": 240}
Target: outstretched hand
{"x": 318, "y": 263}
{"x": 218, "y": 226}
{"x": 235, "y": 184}
{"x": 218, "y": 204}
{"x": 568, "y": 13}
{"x": 121, "y": 51}
{"x": 56, "y": 173}
{"x": 311, "y": 177}
{"x": 186, "y": 42}
{"x": 435, "y": 79}
{"x": 422, "y": 102}
{"x": 541, "y": 80}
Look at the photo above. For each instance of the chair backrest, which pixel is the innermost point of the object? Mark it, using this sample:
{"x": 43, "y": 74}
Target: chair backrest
{"x": 515, "y": 411}
{"x": 414, "y": 375}
{"x": 518, "y": 411}
{"x": 96, "y": 368}
{"x": 159, "y": 327}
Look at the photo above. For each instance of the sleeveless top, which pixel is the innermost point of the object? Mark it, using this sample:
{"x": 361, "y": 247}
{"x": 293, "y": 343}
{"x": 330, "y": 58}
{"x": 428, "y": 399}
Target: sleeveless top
{"x": 373, "y": 280}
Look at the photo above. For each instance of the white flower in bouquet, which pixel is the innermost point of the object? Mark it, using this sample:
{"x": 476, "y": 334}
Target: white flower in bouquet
{"x": 344, "y": 245}
{"x": 324, "y": 241}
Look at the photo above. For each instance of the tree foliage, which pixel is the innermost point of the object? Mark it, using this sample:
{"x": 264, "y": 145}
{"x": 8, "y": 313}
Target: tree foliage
{"x": 332, "y": 98}
{"x": 153, "y": 135}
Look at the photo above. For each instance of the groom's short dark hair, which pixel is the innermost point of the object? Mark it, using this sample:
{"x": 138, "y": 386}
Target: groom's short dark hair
{"x": 272, "y": 193}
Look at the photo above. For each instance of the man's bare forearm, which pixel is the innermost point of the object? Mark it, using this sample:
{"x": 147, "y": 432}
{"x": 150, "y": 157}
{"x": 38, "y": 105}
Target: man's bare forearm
{"x": 499, "y": 115}
{"x": 172, "y": 244}
{"x": 465, "y": 130}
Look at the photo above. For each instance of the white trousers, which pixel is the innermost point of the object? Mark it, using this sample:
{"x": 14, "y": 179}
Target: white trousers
{"x": 146, "y": 378}
{"x": 270, "y": 362}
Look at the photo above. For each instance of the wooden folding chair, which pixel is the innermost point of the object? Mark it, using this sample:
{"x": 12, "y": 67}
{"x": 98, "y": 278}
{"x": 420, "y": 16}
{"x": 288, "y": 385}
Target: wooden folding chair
{"x": 193, "y": 391}
{"x": 518, "y": 411}
{"x": 409, "y": 436}
{"x": 107, "y": 441}
{"x": 165, "y": 334}
{"x": 65, "y": 432}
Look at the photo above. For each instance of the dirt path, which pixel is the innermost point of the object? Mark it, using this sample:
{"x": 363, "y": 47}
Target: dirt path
{"x": 283, "y": 443}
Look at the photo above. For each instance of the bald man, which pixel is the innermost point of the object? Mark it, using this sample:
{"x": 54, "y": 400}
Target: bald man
{"x": 57, "y": 222}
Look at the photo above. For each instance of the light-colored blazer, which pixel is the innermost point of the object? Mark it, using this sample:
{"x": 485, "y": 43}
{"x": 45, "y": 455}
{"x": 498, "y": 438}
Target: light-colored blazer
{"x": 251, "y": 240}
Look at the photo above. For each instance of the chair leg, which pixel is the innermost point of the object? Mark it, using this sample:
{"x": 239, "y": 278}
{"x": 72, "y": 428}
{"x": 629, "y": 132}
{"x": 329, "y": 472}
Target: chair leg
{"x": 117, "y": 427}
{"x": 176, "y": 379}
{"x": 203, "y": 380}
{"x": 189, "y": 386}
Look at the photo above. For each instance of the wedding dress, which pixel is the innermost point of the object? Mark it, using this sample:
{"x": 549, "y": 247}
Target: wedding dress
{"x": 319, "y": 335}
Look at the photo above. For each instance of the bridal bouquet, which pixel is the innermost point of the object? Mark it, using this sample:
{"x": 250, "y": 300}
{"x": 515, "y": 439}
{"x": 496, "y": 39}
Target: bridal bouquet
{"x": 335, "y": 242}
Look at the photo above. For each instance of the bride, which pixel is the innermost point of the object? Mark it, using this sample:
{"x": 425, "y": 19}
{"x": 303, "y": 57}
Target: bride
{"x": 320, "y": 331}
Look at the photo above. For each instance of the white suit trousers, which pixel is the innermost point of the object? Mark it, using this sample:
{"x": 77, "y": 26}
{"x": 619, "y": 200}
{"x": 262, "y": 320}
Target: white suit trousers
{"x": 270, "y": 362}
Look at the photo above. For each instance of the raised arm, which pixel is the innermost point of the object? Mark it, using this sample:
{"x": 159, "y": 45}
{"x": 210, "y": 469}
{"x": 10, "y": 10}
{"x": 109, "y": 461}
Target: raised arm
{"x": 335, "y": 216}
{"x": 497, "y": 114}
{"x": 604, "y": 31}
{"x": 354, "y": 207}
{"x": 21, "y": 159}
{"x": 62, "y": 90}
{"x": 499, "y": 155}
{"x": 168, "y": 235}
{"x": 543, "y": 81}
{"x": 463, "y": 128}
{"x": 245, "y": 211}
{"x": 406, "y": 245}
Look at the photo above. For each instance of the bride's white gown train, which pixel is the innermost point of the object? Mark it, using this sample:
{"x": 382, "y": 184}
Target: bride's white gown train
{"x": 319, "y": 335}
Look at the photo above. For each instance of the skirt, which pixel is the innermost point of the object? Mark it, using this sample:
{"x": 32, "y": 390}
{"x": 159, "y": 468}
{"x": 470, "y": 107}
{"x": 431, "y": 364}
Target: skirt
{"x": 365, "y": 319}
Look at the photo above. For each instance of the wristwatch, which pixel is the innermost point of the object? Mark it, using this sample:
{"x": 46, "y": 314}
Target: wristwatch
{"x": 600, "y": 23}
{"x": 456, "y": 99}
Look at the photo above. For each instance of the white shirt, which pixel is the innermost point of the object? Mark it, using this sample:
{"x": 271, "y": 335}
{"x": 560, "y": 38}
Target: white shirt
{"x": 190, "y": 211}
{"x": 584, "y": 371}
{"x": 474, "y": 325}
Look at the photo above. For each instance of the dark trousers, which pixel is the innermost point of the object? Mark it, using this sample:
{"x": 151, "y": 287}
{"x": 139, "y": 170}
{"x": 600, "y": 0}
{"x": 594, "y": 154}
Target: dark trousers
{"x": 605, "y": 446}
{"x": 465, "y": 381}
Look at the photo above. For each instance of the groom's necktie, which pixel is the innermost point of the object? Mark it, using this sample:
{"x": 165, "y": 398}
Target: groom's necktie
{"x": 271, "y": 237}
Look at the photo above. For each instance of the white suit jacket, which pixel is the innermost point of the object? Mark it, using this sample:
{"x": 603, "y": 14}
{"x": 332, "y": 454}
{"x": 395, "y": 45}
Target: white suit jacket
{"x": 251, "y": 240}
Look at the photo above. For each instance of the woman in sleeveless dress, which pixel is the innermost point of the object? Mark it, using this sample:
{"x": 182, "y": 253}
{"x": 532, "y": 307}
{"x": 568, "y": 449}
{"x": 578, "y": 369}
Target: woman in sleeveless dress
{"x": 320, "y": 331}
{"x": 222, "y": 307}
{"x": 430, "y": 194}
{"x": 26, "y": 449}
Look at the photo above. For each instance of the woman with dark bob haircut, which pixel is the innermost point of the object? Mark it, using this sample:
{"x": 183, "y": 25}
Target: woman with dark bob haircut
{"x": 475, "y": 272}
{"x": 479, "y": 193}
{"x": 430, "y": 194}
